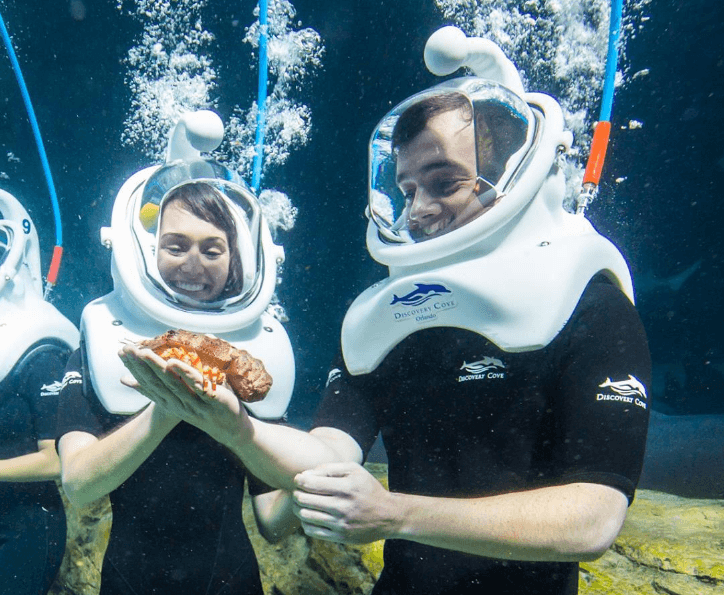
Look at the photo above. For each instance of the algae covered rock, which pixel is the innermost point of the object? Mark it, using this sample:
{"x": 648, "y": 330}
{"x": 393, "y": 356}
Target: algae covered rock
{"x": 668, "y": 545}
{"x": 85, "y": 545}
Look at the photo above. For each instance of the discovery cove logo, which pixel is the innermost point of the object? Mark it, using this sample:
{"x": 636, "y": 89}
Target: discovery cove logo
{"x": 423, "y": 303}
{"x": 630, "y": 390}
{"x": 52, "y": 389}
{"x": 489, "y": 368}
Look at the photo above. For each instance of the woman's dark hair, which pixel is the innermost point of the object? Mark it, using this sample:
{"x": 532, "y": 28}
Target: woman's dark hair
{"x": 205, "y": 202}
{"x": 414, "y": 119}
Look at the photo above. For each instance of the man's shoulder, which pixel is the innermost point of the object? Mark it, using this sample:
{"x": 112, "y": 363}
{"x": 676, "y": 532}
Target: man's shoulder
{"x": 604, "y": 310}
{"x": 603, "y": 298}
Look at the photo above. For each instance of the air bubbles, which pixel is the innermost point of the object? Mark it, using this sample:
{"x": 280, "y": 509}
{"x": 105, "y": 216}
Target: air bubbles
{"x": 278, "y": 210}
{"x": 641, "y": 73}
{"x": 169, "y": 73}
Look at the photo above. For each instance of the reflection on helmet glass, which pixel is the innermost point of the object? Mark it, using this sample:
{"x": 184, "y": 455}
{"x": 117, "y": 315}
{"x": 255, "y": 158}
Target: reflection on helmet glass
{"x": 197, "y": 229}
{"x": 4, "y": 244}
{"x": 445, "y": 157}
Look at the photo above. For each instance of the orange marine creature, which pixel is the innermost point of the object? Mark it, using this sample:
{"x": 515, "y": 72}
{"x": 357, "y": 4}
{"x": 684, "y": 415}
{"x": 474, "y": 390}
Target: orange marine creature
{"x": 218, "y": 361}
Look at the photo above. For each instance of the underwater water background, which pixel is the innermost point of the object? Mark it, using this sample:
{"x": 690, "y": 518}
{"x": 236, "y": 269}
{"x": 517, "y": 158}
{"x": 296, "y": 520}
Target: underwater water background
{"x": 660, "y": 199}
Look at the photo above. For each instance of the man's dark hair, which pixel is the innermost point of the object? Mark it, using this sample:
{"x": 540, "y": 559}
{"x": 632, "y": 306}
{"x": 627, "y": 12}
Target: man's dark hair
{"x": 207, "y": 203}
{"x": 414, "y": 119}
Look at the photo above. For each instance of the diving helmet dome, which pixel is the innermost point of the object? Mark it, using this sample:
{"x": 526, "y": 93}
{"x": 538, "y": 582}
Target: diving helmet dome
{"x": 215, "y": 195}
{"x": 452, "y": 165}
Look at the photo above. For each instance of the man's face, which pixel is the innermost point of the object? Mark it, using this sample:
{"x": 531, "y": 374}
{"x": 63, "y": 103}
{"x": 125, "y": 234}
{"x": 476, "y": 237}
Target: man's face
{"x": 437, "y": 172}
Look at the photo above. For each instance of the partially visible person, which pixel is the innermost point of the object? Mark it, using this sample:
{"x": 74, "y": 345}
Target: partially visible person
{"x": 502, "y": 362}
{"x": 36, "y": 342}
{"x": 198, "y": 251}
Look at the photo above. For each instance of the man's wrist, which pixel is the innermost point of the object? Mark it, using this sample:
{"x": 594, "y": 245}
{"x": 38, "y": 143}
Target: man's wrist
{"x": 400, "y": 507}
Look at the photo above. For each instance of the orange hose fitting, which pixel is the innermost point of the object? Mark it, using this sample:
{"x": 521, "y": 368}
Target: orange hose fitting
{"x": 598, "y": 153}
{"x": 55, "y": 264}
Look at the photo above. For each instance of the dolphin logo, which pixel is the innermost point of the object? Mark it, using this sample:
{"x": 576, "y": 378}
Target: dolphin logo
{"x": 423, "y": 293}
{"x": 627, "y": 388}
{"x": 51, "y": 389}
{"x": 483, "y": 365}
{"x": 72, "y": 377}
{"x": 334, "y": 373}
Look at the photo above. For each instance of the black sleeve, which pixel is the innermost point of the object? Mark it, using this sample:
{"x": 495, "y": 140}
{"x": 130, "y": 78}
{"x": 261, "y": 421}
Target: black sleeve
{"x": 257, "y": 486}
{"x": 78, "y": 408}
{"x": 40, "y": 380}
{"x": 601, "y": 402}
{"x": 347, "y": 405}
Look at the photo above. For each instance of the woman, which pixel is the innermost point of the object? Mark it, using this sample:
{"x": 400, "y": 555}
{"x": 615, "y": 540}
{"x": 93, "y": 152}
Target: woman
{"x": 176, "y": 493}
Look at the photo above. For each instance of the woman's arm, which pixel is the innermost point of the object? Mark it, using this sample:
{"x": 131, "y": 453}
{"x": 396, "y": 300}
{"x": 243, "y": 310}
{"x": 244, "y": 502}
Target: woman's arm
{"x": 92, "y": 467}
{"x": 35, "y": 466}
{"x": 274, "y": 515}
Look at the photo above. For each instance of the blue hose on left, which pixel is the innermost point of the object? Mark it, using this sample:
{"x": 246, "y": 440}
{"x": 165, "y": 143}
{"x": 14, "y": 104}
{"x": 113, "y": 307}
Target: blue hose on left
{"x": 261, "y": 97}
{"x": 55, "y": 264}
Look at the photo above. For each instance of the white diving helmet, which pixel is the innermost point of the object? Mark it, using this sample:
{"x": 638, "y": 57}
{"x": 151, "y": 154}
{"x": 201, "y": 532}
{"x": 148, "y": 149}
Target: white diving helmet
{"x": 502, "y": 128}
{"x": 27, "y": 321}
{"x": 498, "y": 254}
{"x": 133, "y": 237}
{"x": 144, "y": 303}
{"x": 517, "y": 138}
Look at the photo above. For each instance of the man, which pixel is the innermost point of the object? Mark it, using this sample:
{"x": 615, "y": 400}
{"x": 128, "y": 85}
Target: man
{"x": 502, "y": 362}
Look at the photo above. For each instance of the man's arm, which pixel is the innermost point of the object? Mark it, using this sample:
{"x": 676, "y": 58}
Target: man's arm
{"x": 572, "y": 522}
{"x": 345, "y": 503}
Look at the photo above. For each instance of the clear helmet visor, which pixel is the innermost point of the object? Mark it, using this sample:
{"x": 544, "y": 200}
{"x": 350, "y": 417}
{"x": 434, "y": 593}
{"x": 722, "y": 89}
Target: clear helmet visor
{"x": 446, "y": 156}
{"x": 197, "y": 229}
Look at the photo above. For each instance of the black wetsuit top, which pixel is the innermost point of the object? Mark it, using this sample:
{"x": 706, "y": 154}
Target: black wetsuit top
{"x": 177, "y": 523}
{"x": 32, "y": 520}
{"x": 460, "y": 417}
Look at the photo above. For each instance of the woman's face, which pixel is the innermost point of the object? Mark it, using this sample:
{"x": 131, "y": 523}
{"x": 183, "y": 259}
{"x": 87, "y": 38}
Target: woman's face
{"x": 193, "y": 254}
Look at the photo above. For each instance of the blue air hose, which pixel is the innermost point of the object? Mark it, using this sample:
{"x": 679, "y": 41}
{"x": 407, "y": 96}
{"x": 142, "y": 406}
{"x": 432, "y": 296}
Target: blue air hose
{"x": 261, "y": 96}
{"x": 609, "y": 83}
{"x": 58, "y": 251}
{"x": 599, "y": 144}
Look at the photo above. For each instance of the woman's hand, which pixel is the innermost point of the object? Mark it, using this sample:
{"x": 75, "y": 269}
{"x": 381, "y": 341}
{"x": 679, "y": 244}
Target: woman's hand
{"x": 180, "y": 390}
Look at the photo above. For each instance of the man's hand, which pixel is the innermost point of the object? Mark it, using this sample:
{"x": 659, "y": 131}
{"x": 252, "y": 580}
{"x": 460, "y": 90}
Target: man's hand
{"x": 343, "y": 502}
{"x": 180, "y": 390}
